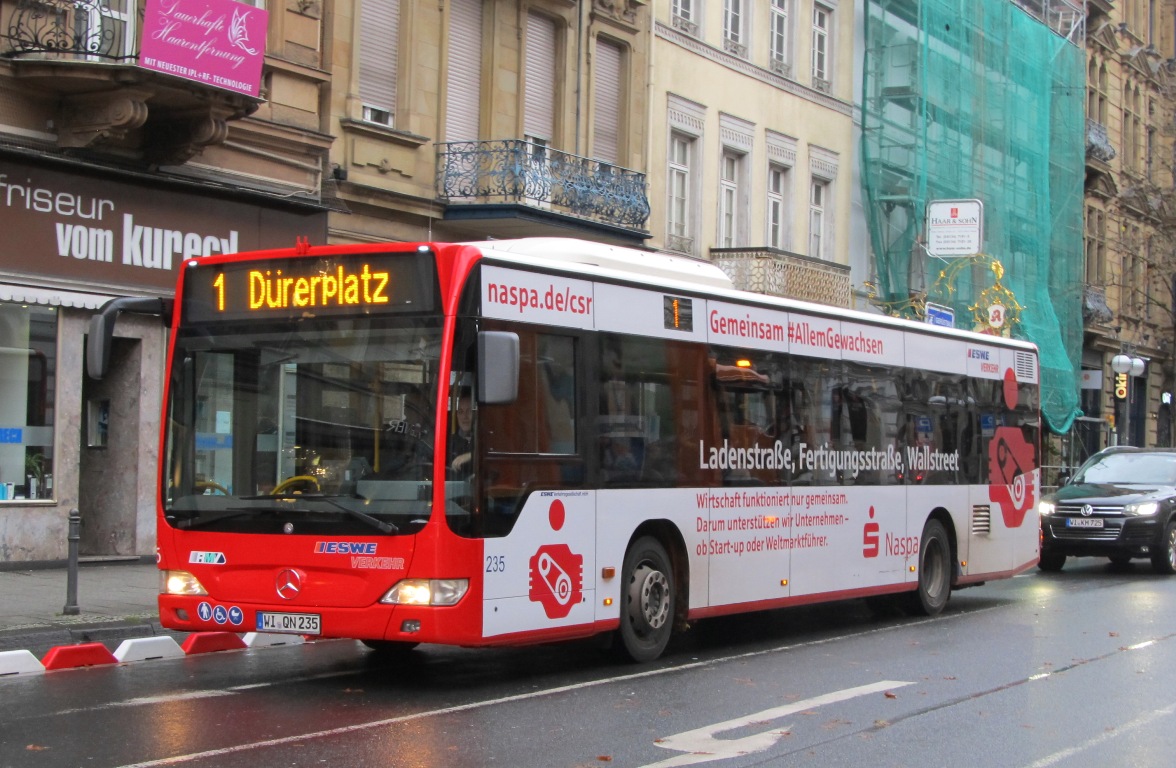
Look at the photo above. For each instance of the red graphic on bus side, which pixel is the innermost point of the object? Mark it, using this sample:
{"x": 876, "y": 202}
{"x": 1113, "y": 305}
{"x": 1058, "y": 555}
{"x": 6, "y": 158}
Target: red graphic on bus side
{"x": 1010, "y": 475}
{"x": 557, "y": 580}
{"x": 557, "y": 574}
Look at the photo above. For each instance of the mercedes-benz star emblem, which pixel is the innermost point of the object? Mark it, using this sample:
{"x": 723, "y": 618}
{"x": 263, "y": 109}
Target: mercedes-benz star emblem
{"x": 1087, "y": 510}
{"x": 288, "y": 584}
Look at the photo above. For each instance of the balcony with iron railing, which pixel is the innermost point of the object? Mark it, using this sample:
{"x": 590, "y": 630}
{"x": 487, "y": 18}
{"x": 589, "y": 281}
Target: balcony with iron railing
{"x": 84, "y": 55}
{"x": 1098, "y": 142}
{"x": 487, "y": 179}
{"x": 86, "y": 30}
{"x": 790, "y": 275}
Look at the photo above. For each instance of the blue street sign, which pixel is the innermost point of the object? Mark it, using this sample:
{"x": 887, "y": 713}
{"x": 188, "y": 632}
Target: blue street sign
{"x": 938, "y": 314}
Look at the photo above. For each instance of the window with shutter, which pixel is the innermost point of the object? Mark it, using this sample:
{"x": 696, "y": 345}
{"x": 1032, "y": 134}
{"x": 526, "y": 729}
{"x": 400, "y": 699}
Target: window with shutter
{"x": 539, "y": 74}
{"x": 608, "y": 109}
{"x": 464, "y": 82}
{"x": 379, "y": 49}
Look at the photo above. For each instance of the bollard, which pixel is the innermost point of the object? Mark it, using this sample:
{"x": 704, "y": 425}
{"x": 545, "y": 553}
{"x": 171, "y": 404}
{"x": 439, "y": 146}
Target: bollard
{"x": 71, "y": 579}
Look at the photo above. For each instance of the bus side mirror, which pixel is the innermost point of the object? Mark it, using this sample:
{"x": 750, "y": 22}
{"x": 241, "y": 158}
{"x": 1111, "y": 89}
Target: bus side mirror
{"x": 101, "y": 334}
{"x": 498, "y": 367}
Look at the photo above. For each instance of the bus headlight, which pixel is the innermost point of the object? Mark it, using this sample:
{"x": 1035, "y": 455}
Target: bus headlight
{"x": 180, "y": 583}
{"x": 1046, "y": 508}
{"x": 427, "y": 592}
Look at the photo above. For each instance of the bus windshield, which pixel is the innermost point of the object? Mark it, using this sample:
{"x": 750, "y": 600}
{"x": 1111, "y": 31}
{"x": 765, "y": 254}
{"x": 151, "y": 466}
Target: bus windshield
{"x": 309, "y": 425}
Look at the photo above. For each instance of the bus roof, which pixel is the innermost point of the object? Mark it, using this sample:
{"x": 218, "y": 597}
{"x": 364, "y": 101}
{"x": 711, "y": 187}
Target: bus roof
{"x": 631, "y": 264}
{"x": 649, "y": 264}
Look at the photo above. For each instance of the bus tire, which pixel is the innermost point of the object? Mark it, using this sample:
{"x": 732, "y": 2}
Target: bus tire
{"x": 934, "y": 572}
{"x": 647, "y": 601}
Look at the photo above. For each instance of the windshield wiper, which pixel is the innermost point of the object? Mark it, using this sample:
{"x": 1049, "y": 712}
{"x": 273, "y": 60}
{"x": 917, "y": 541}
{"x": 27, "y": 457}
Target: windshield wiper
{"x": 202, "y": 521}
{"x": 362, "y": 516}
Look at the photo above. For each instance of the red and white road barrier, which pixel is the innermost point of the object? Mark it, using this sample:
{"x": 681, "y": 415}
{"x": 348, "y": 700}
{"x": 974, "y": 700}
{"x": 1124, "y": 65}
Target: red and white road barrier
{"x": 137, "y": 649}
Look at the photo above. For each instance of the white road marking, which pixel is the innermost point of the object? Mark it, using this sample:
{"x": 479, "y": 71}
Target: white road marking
{"x": 191, "y": 757}
{"x": 1120, "y": 730}
{"x": 702, "y": 746}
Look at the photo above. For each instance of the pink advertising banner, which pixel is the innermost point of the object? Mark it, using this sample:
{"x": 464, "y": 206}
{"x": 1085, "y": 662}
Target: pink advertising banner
{"x": 216, "y": 42}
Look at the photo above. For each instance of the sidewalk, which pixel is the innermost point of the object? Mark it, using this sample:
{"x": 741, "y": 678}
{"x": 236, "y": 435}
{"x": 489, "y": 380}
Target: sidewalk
{"x": 116, "y": 601}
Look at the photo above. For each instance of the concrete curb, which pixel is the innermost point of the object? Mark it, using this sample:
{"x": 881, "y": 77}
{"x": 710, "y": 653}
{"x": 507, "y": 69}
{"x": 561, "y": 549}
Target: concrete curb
{"x": 77, "y": 655}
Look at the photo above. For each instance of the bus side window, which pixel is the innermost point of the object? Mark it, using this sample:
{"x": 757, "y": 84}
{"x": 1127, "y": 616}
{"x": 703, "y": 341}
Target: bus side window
{"x": 811, "y": 395}
{"x": 530, "y": 444}
{"x": 557, "y": 386}
{"x": 866, "y": 418}
{"x": 621, "y": 441}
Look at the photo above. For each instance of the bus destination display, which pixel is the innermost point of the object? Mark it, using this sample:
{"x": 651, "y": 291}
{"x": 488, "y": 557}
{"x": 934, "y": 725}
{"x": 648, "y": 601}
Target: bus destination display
{"x": 304, "y": 287}
{"x": 678, "y": 313}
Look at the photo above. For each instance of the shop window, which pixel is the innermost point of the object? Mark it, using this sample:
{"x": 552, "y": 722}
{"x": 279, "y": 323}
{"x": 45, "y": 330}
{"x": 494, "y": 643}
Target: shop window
{"x": 28, "y": 349}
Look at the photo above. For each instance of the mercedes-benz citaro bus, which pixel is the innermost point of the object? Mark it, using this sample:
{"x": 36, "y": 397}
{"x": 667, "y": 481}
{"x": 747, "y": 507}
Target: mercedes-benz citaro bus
{"x": 530, "y": 440}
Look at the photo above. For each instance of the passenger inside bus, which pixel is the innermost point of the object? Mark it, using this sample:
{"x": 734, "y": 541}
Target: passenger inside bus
{"x": 405, "y": 447}
{"x": 622, "y": 463}
{"x": 460, "y": 448}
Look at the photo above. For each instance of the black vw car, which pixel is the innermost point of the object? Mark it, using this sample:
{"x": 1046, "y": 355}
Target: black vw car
{"x": 1120, "y": 504}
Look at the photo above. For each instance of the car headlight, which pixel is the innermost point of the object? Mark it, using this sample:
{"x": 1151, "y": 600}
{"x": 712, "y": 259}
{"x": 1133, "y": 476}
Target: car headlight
{"x": 1143, "y": 508}
{"x": 180, "y": 583}
{"x": 1046, "y": 508}
{"x": 427, "y": 592}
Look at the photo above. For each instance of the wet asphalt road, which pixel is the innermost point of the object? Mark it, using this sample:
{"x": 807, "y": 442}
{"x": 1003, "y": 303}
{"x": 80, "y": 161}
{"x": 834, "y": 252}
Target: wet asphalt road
{"x": 1070, "y": 669}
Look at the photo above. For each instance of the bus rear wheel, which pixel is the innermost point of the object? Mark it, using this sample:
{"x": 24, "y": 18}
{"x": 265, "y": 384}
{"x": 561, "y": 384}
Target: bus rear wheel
{"x": 647, "y": 601}
{"x": 934, "y": 572}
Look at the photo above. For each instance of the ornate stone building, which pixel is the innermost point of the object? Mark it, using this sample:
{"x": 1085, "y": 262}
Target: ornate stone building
{"x": 1130, "y": 242}
{"x": 472, "y": 119}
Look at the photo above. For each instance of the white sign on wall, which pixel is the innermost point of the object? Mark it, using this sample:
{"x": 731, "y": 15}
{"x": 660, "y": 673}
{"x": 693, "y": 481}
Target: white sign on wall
{"x": 955, "y": 227}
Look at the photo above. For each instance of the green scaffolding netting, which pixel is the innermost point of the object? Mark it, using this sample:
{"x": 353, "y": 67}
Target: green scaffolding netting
{"x": 977, "y": 99}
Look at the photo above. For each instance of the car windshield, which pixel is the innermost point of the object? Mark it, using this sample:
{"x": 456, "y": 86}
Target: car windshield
{"x": 1131, "y": 468}
{"x": 312, "y": 426}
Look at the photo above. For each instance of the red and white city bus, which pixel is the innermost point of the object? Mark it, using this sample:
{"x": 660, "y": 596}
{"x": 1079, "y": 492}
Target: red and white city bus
{"x": 523, "y": 441}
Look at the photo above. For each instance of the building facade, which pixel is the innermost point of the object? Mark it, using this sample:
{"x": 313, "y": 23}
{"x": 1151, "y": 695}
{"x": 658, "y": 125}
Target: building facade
{"x": 751, "y": 140}
{"x": 473, "y": 119}
{"x": 383, "y": 120}
{"x": 726, "y": 130}
{"x": 117, "y": 162}
{"x": 1130, "y": 241}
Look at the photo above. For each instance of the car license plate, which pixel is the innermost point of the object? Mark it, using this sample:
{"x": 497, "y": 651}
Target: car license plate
{"x": 294, "y": 623}
{"x": 1084, "y": 522}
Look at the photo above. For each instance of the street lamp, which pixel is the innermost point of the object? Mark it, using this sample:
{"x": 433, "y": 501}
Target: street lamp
{"x": 1132, "y": 366}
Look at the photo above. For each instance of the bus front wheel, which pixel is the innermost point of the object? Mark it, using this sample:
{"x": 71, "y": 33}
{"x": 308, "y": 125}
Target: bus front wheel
{"x": 647, "y": 601}
{"x": 934, "y": 571}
